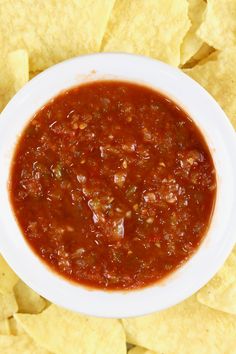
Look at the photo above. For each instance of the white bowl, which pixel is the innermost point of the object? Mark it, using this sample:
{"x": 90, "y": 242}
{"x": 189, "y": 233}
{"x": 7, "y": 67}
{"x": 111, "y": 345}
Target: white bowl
{"x": 221, "y": 140}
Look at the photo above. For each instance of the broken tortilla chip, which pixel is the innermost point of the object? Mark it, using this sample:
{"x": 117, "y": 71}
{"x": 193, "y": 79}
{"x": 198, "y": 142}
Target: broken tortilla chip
{"x": 15, "y": 328}
{"x": 27, "y": 299}
{"x": 4, "y": 327}
{"x": 220, "y": 292}
{"x": 14, "y": 73}
{"x": 8, "y": 305}
{"x": 188, "y": 327}
{"x": 218, "y": 76}
{"x": 219, "y": 27}
{"x": 139, "y": 350}
{"x": 152, "y": 28}
{"x": 191, "y": 42}
{"x": 52, "y": 31}
{"x": 19, "y": 345}
{"x": 64, "y": 332}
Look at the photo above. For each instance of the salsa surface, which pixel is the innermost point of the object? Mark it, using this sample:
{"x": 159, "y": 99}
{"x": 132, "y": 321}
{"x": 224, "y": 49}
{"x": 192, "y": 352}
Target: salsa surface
{"x": 113, "y": 185}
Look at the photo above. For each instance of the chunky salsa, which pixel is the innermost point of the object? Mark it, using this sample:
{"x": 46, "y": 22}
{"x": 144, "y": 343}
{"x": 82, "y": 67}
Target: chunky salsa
{"x": 113, "y": 185}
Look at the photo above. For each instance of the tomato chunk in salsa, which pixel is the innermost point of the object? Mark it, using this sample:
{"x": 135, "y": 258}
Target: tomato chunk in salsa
{"x": 113, "y": 185}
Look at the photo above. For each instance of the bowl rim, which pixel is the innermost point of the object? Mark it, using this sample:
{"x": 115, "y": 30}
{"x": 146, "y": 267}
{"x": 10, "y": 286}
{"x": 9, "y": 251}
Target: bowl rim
{"x": 139, "y": 302}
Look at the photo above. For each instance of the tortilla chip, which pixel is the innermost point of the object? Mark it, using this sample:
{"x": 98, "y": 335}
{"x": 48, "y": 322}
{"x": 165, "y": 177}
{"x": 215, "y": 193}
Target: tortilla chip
{"x": 186, "y": 328}
{"x": 139, "y": 350}
{"x": 203, "y": 52}
{"x": 14, "y": 73}
{"x": 4, "y": 327}
{"x": 218, "y": 76}
{"x": 32, "y": 74}
{"x": 15, "y": 328}
{"x": 27, "y": 299}
{"x": 200, "y": 57}
{"x": 8, "y": 278}
{"x": 62, "y": 331}
{"x": 219, "y": 26}
{"x": 19, "y": 345}
{"x": 220, "y": 292}
{"x": 152, "y": 28}
{"x": 52, "y": 31}
{"x": 8, "y": 305}
{"x": 192, "y": 43}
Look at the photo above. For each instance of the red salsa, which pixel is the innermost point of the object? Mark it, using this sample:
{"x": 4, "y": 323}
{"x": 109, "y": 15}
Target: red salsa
{"x": 113, "y": 185}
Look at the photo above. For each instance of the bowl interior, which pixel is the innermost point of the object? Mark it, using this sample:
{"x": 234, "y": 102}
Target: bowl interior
{"x": 220, "y": 138}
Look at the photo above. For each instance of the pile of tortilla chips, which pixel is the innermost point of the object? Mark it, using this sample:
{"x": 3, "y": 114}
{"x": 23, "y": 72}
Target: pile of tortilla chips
{"x": 199, "y": 37}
